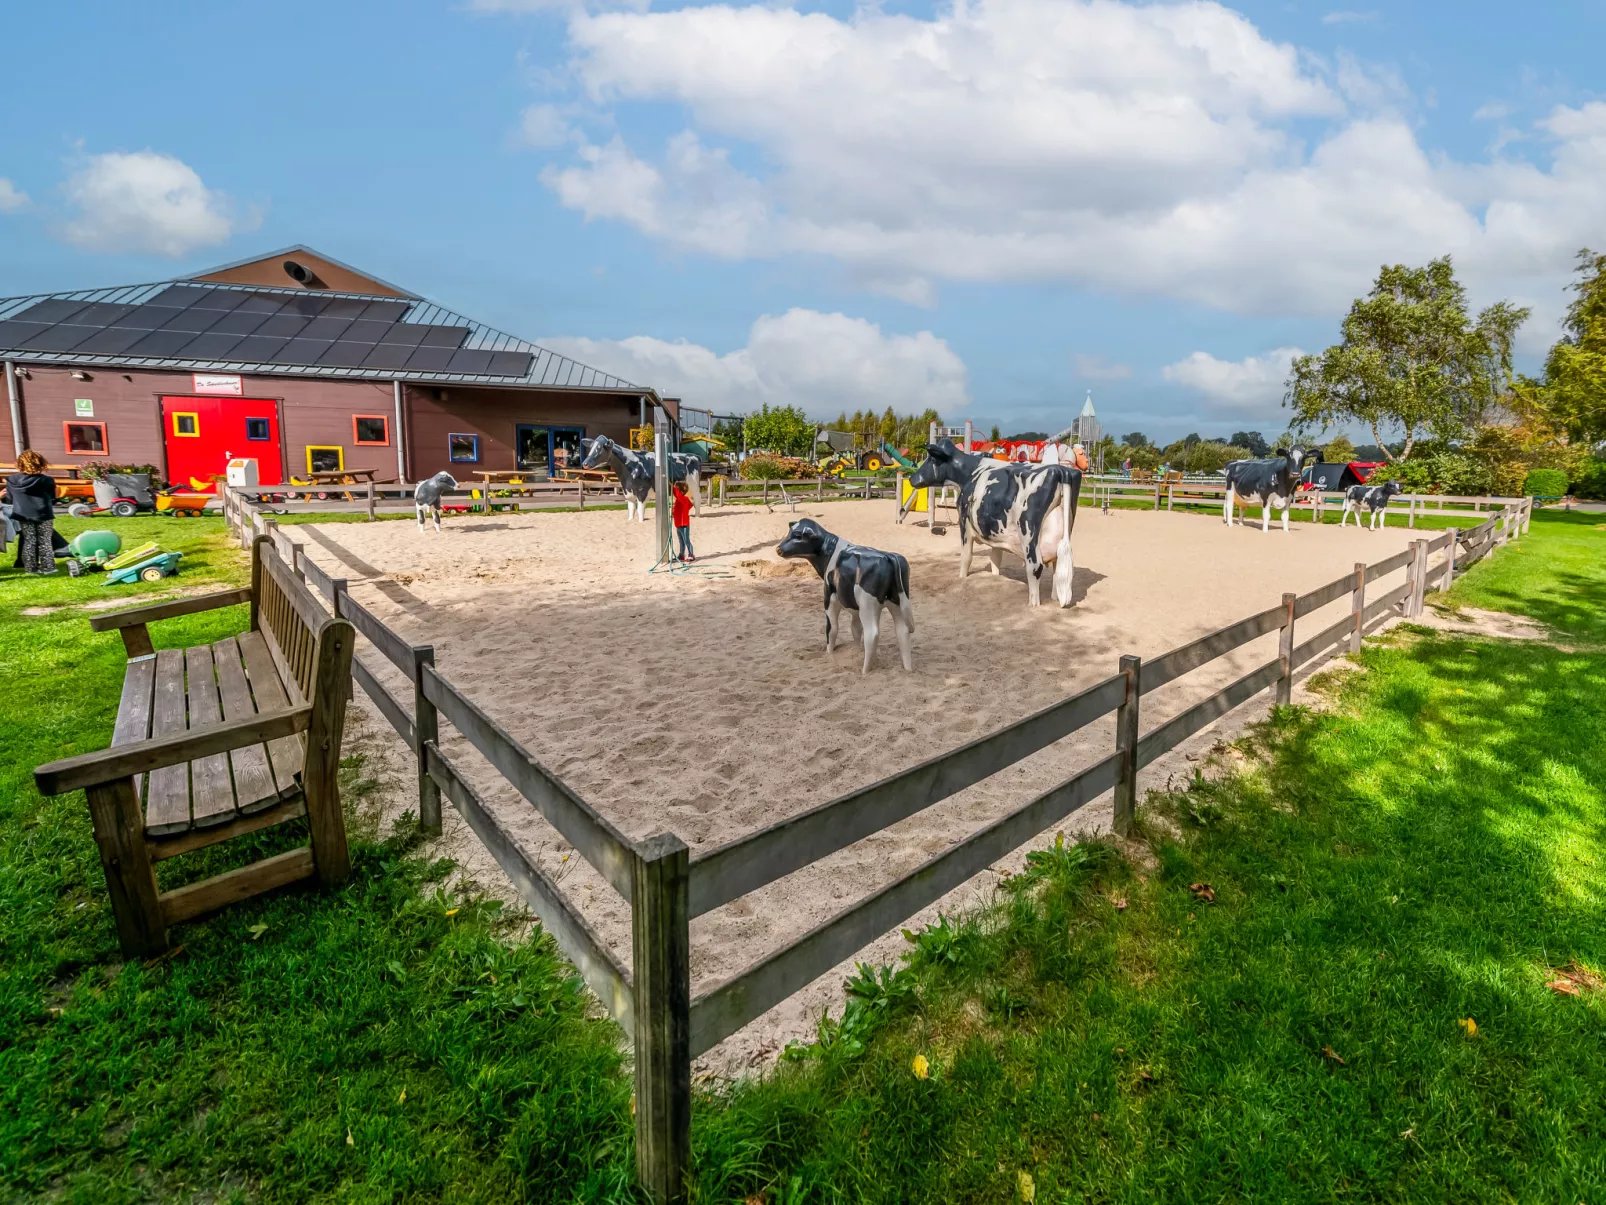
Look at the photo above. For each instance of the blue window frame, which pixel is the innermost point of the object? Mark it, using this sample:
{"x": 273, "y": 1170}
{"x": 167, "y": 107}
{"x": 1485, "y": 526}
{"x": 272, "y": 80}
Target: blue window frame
{"x": 463, "y": 449}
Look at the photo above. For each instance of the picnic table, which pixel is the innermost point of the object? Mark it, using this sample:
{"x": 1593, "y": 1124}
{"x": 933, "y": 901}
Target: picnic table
{"x": 343, "y": 477}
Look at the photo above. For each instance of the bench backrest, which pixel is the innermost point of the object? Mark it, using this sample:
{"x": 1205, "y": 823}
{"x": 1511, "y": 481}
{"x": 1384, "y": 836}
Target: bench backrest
{"x": 291, "y": 619}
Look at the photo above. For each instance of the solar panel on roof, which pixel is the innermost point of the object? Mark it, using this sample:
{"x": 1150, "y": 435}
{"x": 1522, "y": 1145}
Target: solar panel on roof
{"x": 194, "y": 321}
{"x": 309, "y": 305}
{"x": 102, "y": 313}
{"x": 285, "y": 325}
{"x": 345, "y": 307}
{"x": 15, "y": 333}
{"x": 386, "y": 355}
{"x": 213, "y": 345}
{"x": 445, "y": 336}
{"x": 239, "y": 322}
{"x": 180, "y": 296}
{"x": 302, "y": 351}
{"x": 60, "y": 337}
{"x": 261, "y": 303}
{"x": 366, "y": 331}
{"x": 258, "y": 349}
{"x": 51, "y": 310}
{"x": 146, "y": 317}
{"x": 405, "y": 334}
{"x": 161, "y": 343}
{"x": 326, "y": 327}
{"x": 386, "y": 311}
{"x": 509, "y": 363}
{"x": 429, "y": 359}
{"x": 110, "y": 341}
{"x": 469, "y": 362}
{"x": 345, "y": 354}
{"x": 221, "y": 299}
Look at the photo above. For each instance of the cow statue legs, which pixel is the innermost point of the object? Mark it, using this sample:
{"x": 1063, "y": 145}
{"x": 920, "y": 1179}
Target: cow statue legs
{"x": 964, "y": 558}
{"x": 995, "y": 558}
{"x": 1228, "y": 509}
{"x": 1344, "y": 518}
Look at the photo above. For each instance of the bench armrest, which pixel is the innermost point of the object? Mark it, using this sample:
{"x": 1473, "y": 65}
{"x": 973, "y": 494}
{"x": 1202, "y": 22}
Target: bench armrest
{"x": 170, "y": 610}
{"x": 92, "y": 769}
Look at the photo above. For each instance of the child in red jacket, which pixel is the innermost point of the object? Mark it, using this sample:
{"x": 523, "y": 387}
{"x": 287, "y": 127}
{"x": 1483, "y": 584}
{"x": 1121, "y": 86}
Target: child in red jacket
{"x": 681, "y": 513}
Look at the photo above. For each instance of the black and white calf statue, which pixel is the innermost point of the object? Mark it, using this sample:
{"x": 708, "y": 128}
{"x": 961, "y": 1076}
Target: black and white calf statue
{"x": 1270, "y": 483}
{"x": 862, "y": 579}
{"x": 1372, "y": 498}
{"x": 637, "y": 470}
{"x": 1027, "y": 509}
{"x": 427, "y": 497}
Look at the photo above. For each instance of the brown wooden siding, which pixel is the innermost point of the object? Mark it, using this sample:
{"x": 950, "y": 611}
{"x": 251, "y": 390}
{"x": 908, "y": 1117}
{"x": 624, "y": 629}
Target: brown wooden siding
{"x": 493, "y": 414}
{"x": 270, "y": 271}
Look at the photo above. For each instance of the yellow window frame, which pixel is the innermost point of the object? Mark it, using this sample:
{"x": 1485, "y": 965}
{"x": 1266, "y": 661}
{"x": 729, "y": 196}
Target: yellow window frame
{"x": 194, "y": 416}
{"x": 337, "y": 449}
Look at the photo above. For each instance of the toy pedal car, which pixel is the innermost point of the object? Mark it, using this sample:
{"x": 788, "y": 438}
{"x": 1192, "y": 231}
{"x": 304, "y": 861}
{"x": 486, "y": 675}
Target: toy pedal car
{"x": 181, "y": 504}
{"x": 150, "y": 569}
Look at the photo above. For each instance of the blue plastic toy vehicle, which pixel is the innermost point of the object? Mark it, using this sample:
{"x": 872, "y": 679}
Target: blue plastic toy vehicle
{"x": 151, "y": 569}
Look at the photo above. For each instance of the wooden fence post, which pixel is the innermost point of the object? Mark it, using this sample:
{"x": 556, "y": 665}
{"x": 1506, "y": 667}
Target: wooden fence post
{"x": 1419, "y": 579}
{"x": 819, "y": 489}
{"x": 581, "y": 482}
{"x": 370, "y": 500}
{"x": 1358, "y": 603}
{"x": 1126, "y": 744}
{"x": 1449, "y": 562}
{"x": 426, "y": 730}
{"x": 1285, "y": 653}
{"x": 1158, "y": 486}
{"x": 661, "y": 985}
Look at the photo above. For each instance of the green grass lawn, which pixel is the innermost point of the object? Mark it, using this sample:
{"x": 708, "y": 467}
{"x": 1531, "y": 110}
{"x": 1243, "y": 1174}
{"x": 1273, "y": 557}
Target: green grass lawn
{"x": 386, "y": 1041}
{"x": 1360, "y": 1011}
{"x": 1423, "y": 854}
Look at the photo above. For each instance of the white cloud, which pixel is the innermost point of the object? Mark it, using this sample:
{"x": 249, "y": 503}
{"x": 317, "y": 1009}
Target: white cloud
{"x": 821, "y": 362}
{"x": 543, "y": 126}
{"x": 1161, "y": 149}
{"x": 12, "y": 198}
{"x": 1251, "y": 388}
{"x": 1097, "y": 368}
{"x": 146, "y": 201}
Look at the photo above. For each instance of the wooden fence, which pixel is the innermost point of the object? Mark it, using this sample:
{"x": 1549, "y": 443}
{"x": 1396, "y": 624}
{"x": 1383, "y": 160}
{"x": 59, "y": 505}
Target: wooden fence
{"x": 666, "y": 888}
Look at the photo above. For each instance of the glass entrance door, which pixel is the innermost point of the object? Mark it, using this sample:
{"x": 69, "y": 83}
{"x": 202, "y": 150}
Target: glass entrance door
{"x": 533, "y": 446}
{"x": 566, "y": 450}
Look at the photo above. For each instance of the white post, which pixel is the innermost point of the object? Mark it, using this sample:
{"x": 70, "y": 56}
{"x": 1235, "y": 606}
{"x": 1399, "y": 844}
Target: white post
{"x": 401, "y": 455}
{"x": 660, "y": 490}
{"x": 16, "y": 408}
{"x": 967, "y": 435}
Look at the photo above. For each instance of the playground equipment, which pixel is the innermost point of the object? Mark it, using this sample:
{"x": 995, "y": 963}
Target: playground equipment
{"x": 92, "y": 550}
{"x": 885, "y": 457}
{"x": 147, "y": 563}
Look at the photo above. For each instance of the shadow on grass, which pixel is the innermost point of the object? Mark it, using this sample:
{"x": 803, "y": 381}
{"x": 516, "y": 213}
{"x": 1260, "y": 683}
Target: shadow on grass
{"x": 1426, "y": 853}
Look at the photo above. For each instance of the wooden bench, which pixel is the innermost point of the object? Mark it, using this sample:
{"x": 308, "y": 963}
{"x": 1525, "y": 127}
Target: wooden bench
{"x": 216, "y": 741}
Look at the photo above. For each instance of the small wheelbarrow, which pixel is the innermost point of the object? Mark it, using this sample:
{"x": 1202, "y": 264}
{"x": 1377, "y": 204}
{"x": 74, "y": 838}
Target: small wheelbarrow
{"x": 150, "y": 569}
{"x": 173, "y": 505}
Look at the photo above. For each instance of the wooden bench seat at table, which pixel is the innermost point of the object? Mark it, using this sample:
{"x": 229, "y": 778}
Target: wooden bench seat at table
{"x": 216, "y": 741}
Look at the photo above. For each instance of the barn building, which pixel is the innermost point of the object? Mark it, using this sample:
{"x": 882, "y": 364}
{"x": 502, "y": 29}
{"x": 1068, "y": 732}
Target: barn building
{"x": 302, "y": 363}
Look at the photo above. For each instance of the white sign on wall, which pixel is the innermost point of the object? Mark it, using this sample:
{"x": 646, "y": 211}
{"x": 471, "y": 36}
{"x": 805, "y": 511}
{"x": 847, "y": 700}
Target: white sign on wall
{"x": 84, "y": 407}
{"x": 217, "y": 383}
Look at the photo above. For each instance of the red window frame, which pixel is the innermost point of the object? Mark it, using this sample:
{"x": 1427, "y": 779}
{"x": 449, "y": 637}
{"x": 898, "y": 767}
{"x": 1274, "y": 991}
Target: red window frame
{"x": 66, "y": 438}
{"x": 372, "y": 443}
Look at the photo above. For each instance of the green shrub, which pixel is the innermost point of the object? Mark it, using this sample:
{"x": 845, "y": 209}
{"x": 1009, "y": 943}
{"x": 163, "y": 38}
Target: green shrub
{"x": 764, "y": 468}
{"x": 1589, "y": 479}
{"x": 1545, "y": 483}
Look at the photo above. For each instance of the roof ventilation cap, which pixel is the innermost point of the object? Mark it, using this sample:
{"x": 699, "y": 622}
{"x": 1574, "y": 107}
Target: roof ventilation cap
{"x": 300, "y": 274}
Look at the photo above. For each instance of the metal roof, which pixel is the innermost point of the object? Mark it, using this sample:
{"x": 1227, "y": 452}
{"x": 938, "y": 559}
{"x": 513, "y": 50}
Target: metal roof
{"x": 187, "y": 326}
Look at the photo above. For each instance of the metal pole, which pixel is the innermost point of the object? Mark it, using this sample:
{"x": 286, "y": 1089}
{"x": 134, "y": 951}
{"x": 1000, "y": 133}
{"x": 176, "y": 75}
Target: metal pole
{"x": 16, "y": 407}
{"x": 401, "y": 454}
{"x": 660, "y": 491}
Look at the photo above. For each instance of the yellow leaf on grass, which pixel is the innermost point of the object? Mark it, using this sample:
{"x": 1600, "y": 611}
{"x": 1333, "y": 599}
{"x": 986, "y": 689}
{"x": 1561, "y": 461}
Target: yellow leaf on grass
{"x": 1469, "y": 1025}
{"x": 349, "y": 1140}
{"x": 921, "y": 1068}
{"x": 453, "y": 911}
{"x": 403, "y": 1097}
{"x": 1026, "y": 1186}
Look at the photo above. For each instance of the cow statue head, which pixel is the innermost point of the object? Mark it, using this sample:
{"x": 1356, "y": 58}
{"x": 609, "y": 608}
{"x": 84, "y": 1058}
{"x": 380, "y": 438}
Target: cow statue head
{"x": 596, "y": 451}
{"x": 1390, "y": 488}
{"x": 941, "y": 464}
{"x": 805, "y": 538}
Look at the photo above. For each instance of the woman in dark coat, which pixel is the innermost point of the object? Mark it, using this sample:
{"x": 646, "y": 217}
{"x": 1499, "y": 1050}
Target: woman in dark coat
{"x": 32, "y": 494}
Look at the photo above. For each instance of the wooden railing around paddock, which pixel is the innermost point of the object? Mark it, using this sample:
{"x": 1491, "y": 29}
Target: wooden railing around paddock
{"x": 666, "y": 888}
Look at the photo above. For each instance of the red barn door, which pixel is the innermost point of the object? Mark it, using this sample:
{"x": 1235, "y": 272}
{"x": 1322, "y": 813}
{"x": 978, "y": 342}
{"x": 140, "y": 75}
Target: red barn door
{"x": 202, "y": 434}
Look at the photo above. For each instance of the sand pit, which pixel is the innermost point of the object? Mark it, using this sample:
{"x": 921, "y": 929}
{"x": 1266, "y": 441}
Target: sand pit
{"x": 703, "y": 702}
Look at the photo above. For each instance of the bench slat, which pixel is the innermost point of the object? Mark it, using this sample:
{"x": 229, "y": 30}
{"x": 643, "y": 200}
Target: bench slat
{"x": 287, "y": 753}
{"x": 211, "y": 791}
{"x": 134, "y": 709}
{"x": 253, "y": 778}
{"x": 167, "y": 796}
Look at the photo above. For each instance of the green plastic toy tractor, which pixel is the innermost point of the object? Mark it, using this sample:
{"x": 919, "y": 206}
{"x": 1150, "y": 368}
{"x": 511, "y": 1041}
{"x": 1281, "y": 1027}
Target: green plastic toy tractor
{"x": 91, "y": 550}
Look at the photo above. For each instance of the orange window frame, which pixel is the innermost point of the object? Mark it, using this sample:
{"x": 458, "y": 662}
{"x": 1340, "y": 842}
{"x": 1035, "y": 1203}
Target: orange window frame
{"x": 190, "y": 414}
{"x": 66, "y": 438}
{"x": 373, "y": 418}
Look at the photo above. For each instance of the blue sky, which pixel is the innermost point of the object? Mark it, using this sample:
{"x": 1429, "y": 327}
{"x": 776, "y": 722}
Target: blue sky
{"x": 991, "y": 209}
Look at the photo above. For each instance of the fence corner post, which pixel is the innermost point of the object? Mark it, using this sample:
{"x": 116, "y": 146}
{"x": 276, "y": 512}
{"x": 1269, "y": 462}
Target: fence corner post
{"x": 661, "y": 945}
{"x": 1126, "y": 744}
{"x": 1285, "y": 652}
{"x": 1358, "y": 603}
{"x": 426, "y": 730}
{"x": 1449, "y": 559}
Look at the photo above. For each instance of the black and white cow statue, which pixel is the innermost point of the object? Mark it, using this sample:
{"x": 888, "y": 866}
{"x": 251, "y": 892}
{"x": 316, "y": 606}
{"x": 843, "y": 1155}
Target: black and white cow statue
{"x": 1270, "y": 483}
{"x": 861, "y": 579}
{"x": 427, "y": 497}
{"x": 1372, "y": 498}
{"x": 1026, "y": 509}
{"x": 638, "y": 470}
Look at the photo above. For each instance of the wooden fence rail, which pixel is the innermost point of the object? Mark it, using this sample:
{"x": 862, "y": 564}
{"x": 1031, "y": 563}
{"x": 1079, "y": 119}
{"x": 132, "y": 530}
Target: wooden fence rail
{"x": 666, "y": 889}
